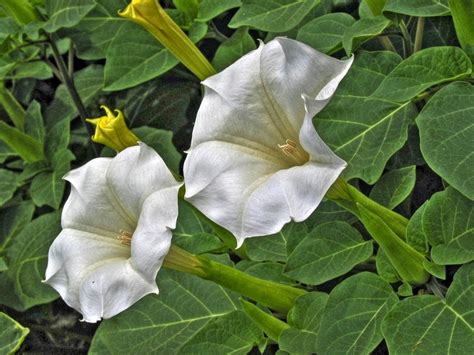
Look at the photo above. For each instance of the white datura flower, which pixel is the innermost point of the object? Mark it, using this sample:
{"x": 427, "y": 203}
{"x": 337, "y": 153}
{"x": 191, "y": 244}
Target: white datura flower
{"x": 256, "y": 161}
{"x": 117, "y": 226}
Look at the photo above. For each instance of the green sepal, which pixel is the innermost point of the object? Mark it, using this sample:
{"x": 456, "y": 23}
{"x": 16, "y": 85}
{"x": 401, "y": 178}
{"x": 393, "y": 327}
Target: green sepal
{"x": 271, "y": 326}
{"x": 408, "y": 262}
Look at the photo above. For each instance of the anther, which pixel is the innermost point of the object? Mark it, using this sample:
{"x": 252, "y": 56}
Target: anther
{"x": 125, "y": 237}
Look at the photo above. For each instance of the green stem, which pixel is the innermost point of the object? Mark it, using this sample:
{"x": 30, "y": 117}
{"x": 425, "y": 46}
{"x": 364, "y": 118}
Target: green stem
{"x": 13, "y": 108}
{"x": 270, "y": 325}
{"x": 406, "y": 38}
{"x": 420, "y": 27}
{"x": 387, "y": 43}
{"x": 271, "y": 294}
{"x": 71, "y": 88}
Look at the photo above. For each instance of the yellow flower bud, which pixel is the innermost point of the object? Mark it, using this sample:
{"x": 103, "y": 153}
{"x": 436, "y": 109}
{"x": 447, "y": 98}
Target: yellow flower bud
{"x": 112, "y": 131}
{"x": 150, "y": 14}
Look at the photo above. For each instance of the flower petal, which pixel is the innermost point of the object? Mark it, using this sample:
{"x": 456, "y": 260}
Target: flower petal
{"x": 291, "y": 69}
{"x": 136, "y": 173}
{"x": 112, "y": 288}
{"x": 152, "y": 238}
{"x": 219, "y": 177}
{"x": 91, "y": 206}
{"x": 73, "y": 255}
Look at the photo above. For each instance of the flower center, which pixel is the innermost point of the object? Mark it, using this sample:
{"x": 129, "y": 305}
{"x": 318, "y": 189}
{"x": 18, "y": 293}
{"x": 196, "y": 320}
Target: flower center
{"x": 125, "y": 237}
{"x": 293, "y": 151}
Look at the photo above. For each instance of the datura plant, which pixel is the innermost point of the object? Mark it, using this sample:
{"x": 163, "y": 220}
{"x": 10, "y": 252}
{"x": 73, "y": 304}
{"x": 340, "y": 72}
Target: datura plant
{"x": 236, "y": 176}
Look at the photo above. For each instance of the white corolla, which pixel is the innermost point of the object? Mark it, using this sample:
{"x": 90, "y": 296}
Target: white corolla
{"x": 117, "y": 226}
{"x": 256, "y": 161}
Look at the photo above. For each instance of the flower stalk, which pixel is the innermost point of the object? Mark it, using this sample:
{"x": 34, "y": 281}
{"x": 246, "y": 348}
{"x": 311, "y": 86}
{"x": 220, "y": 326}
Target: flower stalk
{"x": 150, "y": 15}
{"x": 278, "y": 297}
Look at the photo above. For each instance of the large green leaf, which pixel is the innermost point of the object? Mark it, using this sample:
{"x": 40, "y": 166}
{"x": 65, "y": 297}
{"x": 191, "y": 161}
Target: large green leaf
{"x": 423, "y": 8}
{"x": 8, "y": 185}
{"x": 361, "y": 31}
{"x": 236, "y": 46}
{"x": 278, "y": 246}
{"x": 27, "y": 262}
{"x": 432, "y": 325}
{"x": 268, "y": 270}
{"x": 272, "y": 15}
{"x": 394, "y": 187}
{"x": 13, "y": 218}
{"x": 66, "y": 13}
{"x": 364, "y": 138}
{"x": 446, "y": 131}
{"x": 426, "y": 68}
{"x": 305, "y": 320}
{"x": 48, "y": 188}
{"x": 352, "y": 319}
{"x": 330, "y": 250}
{"x": 208, "y": 9}
{"x": 165, "y": 323}
{"x": 234, "y": 333}
{"x": 12, "y": 334}
{"x": 325, "y": 33}
{"x": 448, "y": 224}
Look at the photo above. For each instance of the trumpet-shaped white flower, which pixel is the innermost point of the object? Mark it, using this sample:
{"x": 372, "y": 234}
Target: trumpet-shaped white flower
{"x": 116, "y": 232}
{"x": 256, "y": 161}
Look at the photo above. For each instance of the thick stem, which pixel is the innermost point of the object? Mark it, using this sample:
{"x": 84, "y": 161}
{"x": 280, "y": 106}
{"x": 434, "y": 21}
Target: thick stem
{"x": 387, "y": 43}
{"x": 71, "y": 88}
{"x": 271, "y": 294}
{"x": 406, "y": 38}
{"x": 13, "y": 108}
{"x": 420, "y": 27}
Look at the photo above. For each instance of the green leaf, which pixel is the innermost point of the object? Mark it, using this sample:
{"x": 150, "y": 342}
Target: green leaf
{"x": 449, "y": 227}
{"x": 352, "y": 319}
{"x": 276, "y": 247}
{"x": 363, "y": 30}
{"x": 325, "y": 33}
{"x": 423, "y": 8}
{"x": 365, "y": 139}
{"x": 193, "y": 232}
{"x": 57, "y": 138}
{"x": 48, "y": 188}
{"x": 385, "y": 268}
{"x": 12, "y": 219}
{"x": 5, "y": 151}
{"x": 12, "y": 334}
{"x": 37, "y": 70}
{"x": 233, "y": 333}
{"x": 167, "y": 322}
{"x": 34, "y": 125}
{"x": 431, "y": 325}
{"x": 272, "y": 15}
{"x": 209, "y": 9}
{"x": 305, "y": 320}
{"x": 3, "y": 264}
{"x": 66, "y": 13}
{"x": 27, "y": 263}
{"x": 8, "y": 185}
{"x": 416, "y": 234}
{"x": 426, "y": 68}
{"x": 394, "y": 187}
{"x": 446, "y": 128}
{"x": 230, "y": 50}
{"x": 329, "y": 251}
{"x": 439, "y": 31}
{"x": 29, "y": 149}
{"x": 267, "y": 270}
{"x": 135, "y": 56}
{"x": 88, "y": 81}
{"x": 161, "y": 142}
{"x": 463, "y": 12}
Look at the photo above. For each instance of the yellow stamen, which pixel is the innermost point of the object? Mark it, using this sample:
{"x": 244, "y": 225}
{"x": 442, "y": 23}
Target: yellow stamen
{"x": 125, "y": 237}
{"x": 293, "y": 151}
